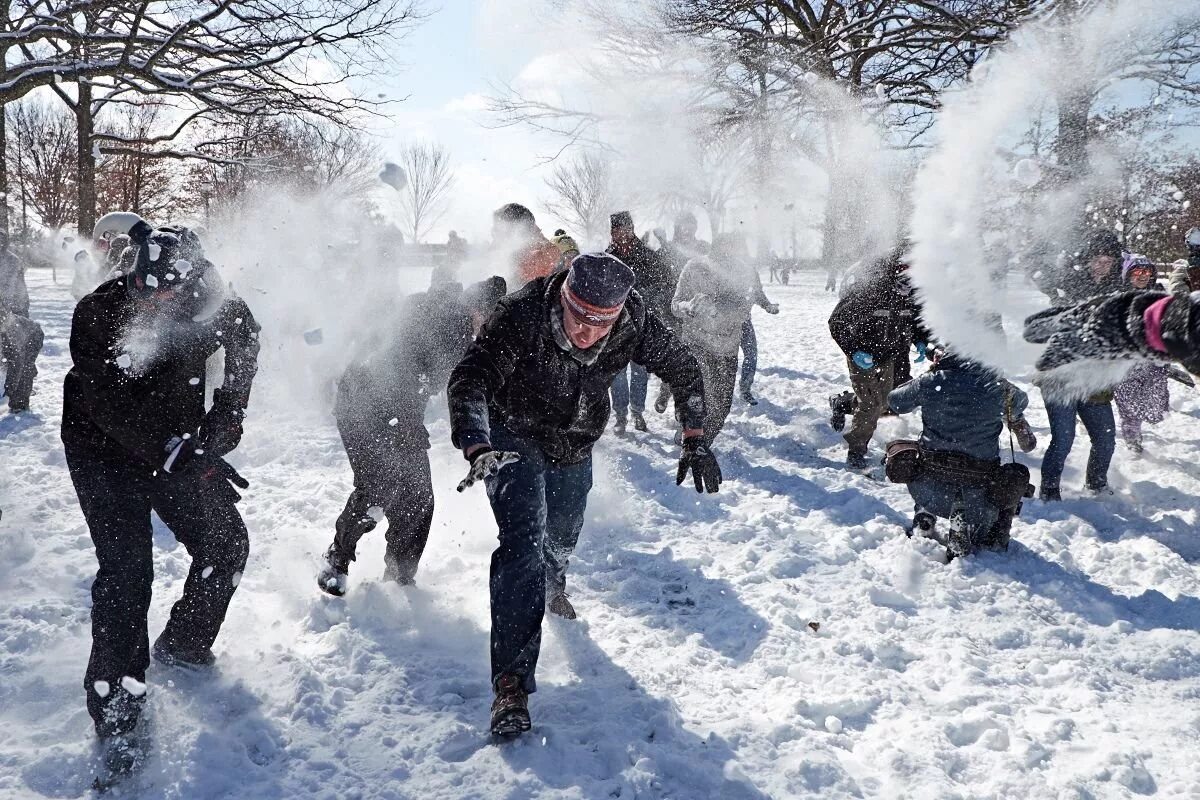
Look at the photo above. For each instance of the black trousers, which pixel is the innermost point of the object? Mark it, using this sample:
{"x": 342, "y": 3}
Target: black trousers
{"x": 391, "y": 479}
{"x": 117, "y": 495}
{"x": 720, "y": 375}
{"x": 20, "y": 344}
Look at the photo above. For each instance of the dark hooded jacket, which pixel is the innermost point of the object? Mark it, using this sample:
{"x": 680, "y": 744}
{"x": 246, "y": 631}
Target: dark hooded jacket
{"x": 517, "y": 374}
{"x": 389, "y": 389}
{"x": 653, "y": 277}
{"x": 879, "y": 316}
{"x": 963, "y": 407}
{"x": 138, "y": 374}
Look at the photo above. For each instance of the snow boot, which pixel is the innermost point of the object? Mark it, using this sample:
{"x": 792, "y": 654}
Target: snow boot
{"x": 392, "y": 571}
{"x": 560, "y": 606}
{"x": 619, "y": 426}
{"x": 639, "y": 422}
{"x": 334, "y": 575}
{"x": 510, "y": 709}
{"x": 1026, "y": 440}
{"x": 856, "y": 460}
{"x": 958, "y": 540}
{"x": 748, "y": 398}
{"x": 923, "y": 523}
{"x": 121, "y": 755}
{"x": 171, "y": 656}
{"x": 840, "y": 405}
{"x": 1099, "y": 490}
{"x": 1049, "y": 494}
{"x": 1136, "y": 449}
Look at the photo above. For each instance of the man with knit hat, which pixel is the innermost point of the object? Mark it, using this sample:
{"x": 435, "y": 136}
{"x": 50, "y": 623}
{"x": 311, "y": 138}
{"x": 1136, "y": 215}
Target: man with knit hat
{"x": 527, "y": 402}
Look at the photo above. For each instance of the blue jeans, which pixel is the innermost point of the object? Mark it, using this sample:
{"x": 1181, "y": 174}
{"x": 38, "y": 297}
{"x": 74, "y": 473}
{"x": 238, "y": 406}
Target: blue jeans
{"x": 1101, "y": 428}
{"x": 938, "y": 498}
{"x": 629, "y": 388}
{"x": 749, "y": 357}
{"x": 539, "y": 507}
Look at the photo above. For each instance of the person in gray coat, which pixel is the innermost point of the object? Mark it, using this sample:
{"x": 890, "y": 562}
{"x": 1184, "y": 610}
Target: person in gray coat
{"x": 713, "y": 301}
{"x": 963, "y": 407}
{"x": 20, "y": 337}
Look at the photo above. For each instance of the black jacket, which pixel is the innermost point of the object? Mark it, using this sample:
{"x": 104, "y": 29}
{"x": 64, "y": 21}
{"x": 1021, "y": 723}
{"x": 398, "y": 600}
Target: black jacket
{"x": 653, "y": 278}
{"x": 388, "y": 390}
{"x": 879, "y": 317}
{"x": 516, "y": 374}
{"x": 138, "y": 377}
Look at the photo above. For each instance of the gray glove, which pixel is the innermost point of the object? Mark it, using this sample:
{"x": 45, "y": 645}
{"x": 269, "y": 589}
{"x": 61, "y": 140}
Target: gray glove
{"x": 486, "y": 462}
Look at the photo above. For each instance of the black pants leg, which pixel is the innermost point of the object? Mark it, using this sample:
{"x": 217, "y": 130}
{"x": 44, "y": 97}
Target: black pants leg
{"x": 20, "y": 343}
{"x": 204, "y": 519}
{"x": 720, "y": 375}
{"x": 115, "y": 499}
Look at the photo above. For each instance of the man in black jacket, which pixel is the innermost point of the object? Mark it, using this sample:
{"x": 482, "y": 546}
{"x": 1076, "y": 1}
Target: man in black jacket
{"x": 875, "y": 324}
{"x": 138, "y": 439}
{"x": 655, "y": 282}
{"x": 380, "y": 413}
{"x": 527, "y": 402}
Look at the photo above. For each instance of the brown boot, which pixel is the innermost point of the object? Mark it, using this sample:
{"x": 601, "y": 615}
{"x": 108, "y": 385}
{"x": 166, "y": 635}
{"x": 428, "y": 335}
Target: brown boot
{"x": 560, "y": 606}
{"x": 510, "y": 709}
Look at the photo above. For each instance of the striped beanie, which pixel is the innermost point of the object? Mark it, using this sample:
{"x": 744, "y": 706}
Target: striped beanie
{"x": 596, "y": 287}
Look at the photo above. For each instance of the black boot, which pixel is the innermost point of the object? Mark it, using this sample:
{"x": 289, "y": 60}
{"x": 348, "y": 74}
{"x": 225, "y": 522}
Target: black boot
{"x": 840, "y": 405}
{"x": 172, "y": 655}
{"x": 639, "y": 421}
{"x": 335, "y": 572}
{"x": 856, "y": 460}
{"x": 510, "y": 709}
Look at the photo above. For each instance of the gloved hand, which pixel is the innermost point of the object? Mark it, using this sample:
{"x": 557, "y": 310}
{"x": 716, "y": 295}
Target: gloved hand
{"x": 221, "y": 431}
{"x": 486, "y": 462}
{"x": 771, "y": 308}
{"x": 863, "y": 360}
{"x": 219, "y": 474}
{"x": 922, "y": 351}
{"x": 180, "y": 453}
{"x": 702, "y": 463}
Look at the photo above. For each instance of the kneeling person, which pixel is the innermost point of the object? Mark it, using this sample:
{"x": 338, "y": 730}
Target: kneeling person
{"x": 527, "y": 403}
{"x": 963, "y": 408}
{"x": 380, "y": 413}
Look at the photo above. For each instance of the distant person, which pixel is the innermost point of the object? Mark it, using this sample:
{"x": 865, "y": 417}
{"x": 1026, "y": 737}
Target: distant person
{"x": 446, "y": 273}
{"x": 1185, "y": 277}
{"x": 515, "y": 232}
{"x": 567, "y": 249}
{"x": 677, "y": 252}
{"x": 21, "y": 338}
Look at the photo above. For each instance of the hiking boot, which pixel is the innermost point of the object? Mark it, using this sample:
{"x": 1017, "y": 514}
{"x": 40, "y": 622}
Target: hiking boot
{"x": 856, "y": 460}
{"x": 749, "y": 398}
{"x": 840, "y": 405}
{"x": 172, "y": 656}
{"x": 923, "y": 523}
{"x": 121, "y": 755}
{"x": 619, "y": 426}
{"x": 660, "y": 403}
{"x": 1050, "y": 495}
{"x": 392, "y": 571}
{"x": 1026, "y": 440}
{"x": 639, "y": 422}
{"x": 1099, "y": 490}
{"x": 510, "y": 709}
{"x": 1135, "y": 447}
{"x": 560, "y": 606}
{"x": 334, "y": 575}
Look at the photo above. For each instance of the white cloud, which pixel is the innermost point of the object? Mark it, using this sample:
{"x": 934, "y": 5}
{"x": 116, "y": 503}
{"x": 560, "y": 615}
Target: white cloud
{"x": 471, "y": 103}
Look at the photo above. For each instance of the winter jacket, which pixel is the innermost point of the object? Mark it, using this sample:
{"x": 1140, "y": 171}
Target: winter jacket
{"x": 14, "y": 295}
{"x": 1076, "y": 285}
{"x": 138, "y": 374}
{"x": 537, "y": 259}
{"x": 879, "y": 317}
{"x": 1144, "y": 394}
{"x": 714, "y": 301}
{"x": 681, "y": 251}
{"x": 519, "y": 374}
{"x": 653, "y": 278}
{"x": 962, "y": 407}
{"x": 388, "y": 390}
{"x": 1179, "y": 282}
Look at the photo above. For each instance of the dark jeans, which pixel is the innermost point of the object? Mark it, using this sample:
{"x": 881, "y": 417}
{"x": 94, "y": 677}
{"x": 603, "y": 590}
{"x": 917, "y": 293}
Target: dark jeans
{"x": 20, "y": 343}
{"x": 539, "y": 507}
{"x": 391, "y": 473}
{"x": 1101, "y": 427}
{"x": 629, "y": 390}
{"x": 117, "y": 496}
{"x": 938, "y": 498}
{"x": 749, "y": 357}
{"x": 720, "y": 373}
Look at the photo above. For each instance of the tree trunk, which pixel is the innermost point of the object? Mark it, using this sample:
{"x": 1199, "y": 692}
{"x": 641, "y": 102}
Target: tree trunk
{"x": 4, "y": 230}
{"x": 87, "y": 161}
{"x": 833, "y": 202}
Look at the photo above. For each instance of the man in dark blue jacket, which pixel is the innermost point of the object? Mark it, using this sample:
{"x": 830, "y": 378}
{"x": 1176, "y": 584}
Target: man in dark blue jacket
{"x": 527, "y": 402}
{"x": 963, "y": 407}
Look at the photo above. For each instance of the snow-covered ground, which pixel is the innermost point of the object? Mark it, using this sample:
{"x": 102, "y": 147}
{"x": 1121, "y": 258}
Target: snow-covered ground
{"x": 781, "y": 639}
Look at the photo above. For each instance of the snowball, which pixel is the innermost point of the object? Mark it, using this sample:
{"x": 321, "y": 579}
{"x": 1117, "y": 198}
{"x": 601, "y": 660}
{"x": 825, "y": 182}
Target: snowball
{"x": 124, "y": 361}
{"x": 133, "y": 686}
{"x": 236, "y": 579}
{"x": 1178, "y": 195}
{"x": 102, "y": 688}
{"x": 154, "y": 250}
{"x": 833, "y": 724}
{"x": 207, "y": 571}
{"x": 375, "y": 513}
{"x": 1118, "y": 226}
{"x": 881, "y": 91}
{"x": 393, "y": 422}
{"x": 1028, "y": 172}
{"x": 152, "y": 281}
{"x": 194, "y": 381}
{"x": 183, "y": 267}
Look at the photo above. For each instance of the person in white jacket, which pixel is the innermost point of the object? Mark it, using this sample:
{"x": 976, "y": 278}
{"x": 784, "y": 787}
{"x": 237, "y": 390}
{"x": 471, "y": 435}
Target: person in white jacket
{"x": 713, "y": 300}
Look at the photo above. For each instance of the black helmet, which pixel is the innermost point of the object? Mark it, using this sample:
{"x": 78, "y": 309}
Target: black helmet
{"x": 168, "y": 259}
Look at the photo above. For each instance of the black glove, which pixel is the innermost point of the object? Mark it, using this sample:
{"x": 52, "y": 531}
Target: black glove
{"x": 702, "y": 463}
{"x": 180, "y": 453}
{"x": 218, "y": 474}
{"x": 221, "y": 431}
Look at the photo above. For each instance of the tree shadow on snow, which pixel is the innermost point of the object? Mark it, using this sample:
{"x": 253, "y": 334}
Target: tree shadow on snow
{"x": 664, "y": 593}
{"x": 791, "y": 374}
{"x": 12, "y": 424}
{"x": 1076, "y": 593}
{"x": 609, "y": 736}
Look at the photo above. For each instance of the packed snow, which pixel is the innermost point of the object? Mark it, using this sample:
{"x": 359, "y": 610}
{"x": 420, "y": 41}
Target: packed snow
{"x": 781, "y": 639}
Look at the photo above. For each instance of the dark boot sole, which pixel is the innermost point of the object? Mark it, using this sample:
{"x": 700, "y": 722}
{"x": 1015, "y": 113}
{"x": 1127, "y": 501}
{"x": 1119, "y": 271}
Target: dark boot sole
{"x": 511, "y": 725}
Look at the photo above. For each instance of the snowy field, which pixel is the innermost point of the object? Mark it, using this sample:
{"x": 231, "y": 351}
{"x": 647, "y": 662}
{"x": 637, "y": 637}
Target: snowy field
{"x": 781, "y": 639}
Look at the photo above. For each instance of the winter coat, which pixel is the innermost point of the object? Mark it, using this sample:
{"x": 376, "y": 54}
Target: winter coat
{"x": 1076, "y": 285}
{"x": 1179, "y": 281}
{"x": 388, "y": 390}
{"x": 963, "y": 407}
{"x": 1144, "y": 394}
{"x": 714, "y": 301}
{"x": 138, "y": 374}
{"x": 14, "y": 295}
{"x": 679, "y": 252}
{"x": 878, "y": 316}
{"x": 653, "y": 278}
{"x": 518, "y": 374}
{"x": 537, "y": 259}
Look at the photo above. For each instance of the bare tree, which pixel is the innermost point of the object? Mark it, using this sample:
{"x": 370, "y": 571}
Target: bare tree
{"x": 134, "y": 181}
{"x": 582, "y": 190}
{"x": 426, "y": 197}
{"x": 42, "y": 164}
